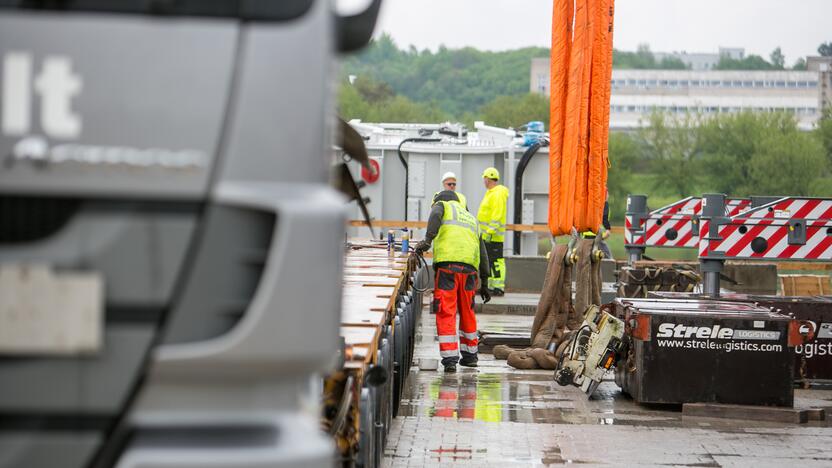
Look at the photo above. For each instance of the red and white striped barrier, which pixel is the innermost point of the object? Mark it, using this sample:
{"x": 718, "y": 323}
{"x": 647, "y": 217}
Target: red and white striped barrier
{"x": 764, "y": 232}
{"x": 672, "y": 226}
{"x": 633, "y": 236}
{"x": 677, "y": 224}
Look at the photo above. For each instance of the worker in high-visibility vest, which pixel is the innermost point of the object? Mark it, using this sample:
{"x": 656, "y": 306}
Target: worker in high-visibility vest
{"x": 458, "y": 253}
{"x": 449, "y": 183}
{"x": 492, "y": 220}
{"x": 454, "y": 398}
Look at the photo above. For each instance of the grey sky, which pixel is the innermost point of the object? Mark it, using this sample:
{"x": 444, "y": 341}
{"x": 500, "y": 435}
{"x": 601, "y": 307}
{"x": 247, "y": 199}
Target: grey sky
{"x": 797, "y": 26}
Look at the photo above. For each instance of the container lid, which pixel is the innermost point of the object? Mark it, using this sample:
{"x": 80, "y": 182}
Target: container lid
{"x": 699, "y": 306}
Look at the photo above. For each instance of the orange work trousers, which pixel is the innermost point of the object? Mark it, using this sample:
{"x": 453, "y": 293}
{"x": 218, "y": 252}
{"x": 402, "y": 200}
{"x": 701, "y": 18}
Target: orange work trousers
{"x": 456, "y": 284}
{"x": 457, "y": 398}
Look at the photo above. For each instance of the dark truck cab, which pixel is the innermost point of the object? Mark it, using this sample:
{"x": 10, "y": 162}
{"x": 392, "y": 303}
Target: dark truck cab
{"x": 165, "y": 214}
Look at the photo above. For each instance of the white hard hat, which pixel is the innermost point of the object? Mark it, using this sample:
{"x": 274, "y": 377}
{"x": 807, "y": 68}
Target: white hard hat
{"x": 448, "y": 175}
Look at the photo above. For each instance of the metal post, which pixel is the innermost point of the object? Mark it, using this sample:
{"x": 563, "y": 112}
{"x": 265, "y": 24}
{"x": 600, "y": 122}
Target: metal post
{"x": 713, "y": 212}
{"x": 710, "y": 272}
{"x": 636, "y": 211}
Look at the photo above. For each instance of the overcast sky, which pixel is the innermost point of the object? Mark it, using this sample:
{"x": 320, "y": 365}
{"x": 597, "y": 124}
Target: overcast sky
{"x": 797, "y": 26}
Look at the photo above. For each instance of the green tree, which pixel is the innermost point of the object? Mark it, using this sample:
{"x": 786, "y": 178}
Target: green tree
{"x": 778, "y": 60}
{"x": 643, "y": 58}
{"x": 825, "y": 49}
{"x": 824, "y": 132}
{"x": 457, "y": 80}
{"x": 741, "y": 153}
{"x": 729, "y": 142}
{"x": 373, "y": 91}
{"x": 514, "y": 111}
{"x": 351, "y": 105}
{"x": 672, "y": 143}
{"x": 787, "y": 164}
{"x": 799, "y": 64}
{"x": 822, "y": 186}
{"x": 752, "y": 62}
{"x": 624, "y": 151}
{"x": 385, "y": 108}
{"x": 671, "y": 63}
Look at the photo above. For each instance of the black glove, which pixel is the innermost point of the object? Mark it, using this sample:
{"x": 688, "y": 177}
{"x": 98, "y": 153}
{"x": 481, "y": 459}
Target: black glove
{"x": 485, "y": 295}
{"x": 421, "y": 248}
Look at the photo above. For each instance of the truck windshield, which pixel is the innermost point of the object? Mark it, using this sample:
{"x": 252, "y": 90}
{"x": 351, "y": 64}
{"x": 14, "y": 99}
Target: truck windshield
{"x": 257, "y": 10}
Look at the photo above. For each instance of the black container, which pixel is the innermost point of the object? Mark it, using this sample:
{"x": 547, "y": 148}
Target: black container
{"x": 696, "y": 350}
{"x": 813, "y": 360}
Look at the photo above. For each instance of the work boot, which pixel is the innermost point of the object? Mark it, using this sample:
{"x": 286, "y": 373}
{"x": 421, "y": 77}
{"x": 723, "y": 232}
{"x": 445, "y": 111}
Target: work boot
{"x": 450, "y": 368}
{"x": 468, "y": 361}
{"x": 497, "y": 292}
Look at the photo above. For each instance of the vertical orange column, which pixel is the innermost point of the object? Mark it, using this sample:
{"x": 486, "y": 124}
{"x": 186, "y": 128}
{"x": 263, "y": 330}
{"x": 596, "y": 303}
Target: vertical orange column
{"x": 599, "y": 125}
{"x": 566, "y": 207}
{"x": 587, "y": 88}
{"x": 581, "y": 70}
{"x": 558, "y": 77}
{"x": 607, "y": 93}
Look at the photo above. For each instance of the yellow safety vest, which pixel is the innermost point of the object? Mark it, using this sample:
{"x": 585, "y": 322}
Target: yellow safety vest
{"x": 492, "y": 214}
{"x": 458, "y": 239}
{"x": 461, "y": 197}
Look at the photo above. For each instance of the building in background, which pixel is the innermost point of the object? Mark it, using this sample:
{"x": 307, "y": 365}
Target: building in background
{"x": 699, "y": 61}
{"x": 637, "y": 93}
{"x": 406, "y": 194}
{"x": 823, "y": 67}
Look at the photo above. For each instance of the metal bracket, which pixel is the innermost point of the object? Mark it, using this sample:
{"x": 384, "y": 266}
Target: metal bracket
{"x": 797, "y": 231}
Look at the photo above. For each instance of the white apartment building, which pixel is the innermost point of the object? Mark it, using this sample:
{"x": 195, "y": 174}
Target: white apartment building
{"x": 637, "y": 93}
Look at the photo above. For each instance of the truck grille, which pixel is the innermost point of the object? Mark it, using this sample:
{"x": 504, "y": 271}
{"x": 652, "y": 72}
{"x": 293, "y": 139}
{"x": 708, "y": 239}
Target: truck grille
{"x": 29, "y": 219}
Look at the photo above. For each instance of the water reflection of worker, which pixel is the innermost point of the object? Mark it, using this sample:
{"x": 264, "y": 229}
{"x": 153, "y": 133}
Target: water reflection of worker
{"x": 456, "y": 397}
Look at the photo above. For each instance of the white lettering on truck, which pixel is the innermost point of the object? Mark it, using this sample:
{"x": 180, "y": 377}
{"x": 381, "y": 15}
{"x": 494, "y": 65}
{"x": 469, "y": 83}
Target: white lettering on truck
{"x": 671, "y": 330}
{"x": 55, "y": 85}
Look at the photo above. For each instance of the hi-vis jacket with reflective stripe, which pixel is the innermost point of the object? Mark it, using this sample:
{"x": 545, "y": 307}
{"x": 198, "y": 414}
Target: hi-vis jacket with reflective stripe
{"x": 462, "y": 200}
{"x": 458, "y": 239}
{"x": 492, "y": 214}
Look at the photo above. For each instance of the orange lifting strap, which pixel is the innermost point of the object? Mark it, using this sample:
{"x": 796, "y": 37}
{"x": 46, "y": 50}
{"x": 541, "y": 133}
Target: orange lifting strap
{"x": 581, "y": 69}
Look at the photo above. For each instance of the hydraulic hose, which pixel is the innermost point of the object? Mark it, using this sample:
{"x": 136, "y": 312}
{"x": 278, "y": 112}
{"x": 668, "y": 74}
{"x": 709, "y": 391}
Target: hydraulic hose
{"x": 518, "y": 190}
{"x": 406, "y": 168}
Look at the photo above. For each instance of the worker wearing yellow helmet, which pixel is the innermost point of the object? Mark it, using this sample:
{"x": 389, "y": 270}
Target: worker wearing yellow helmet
{"x": 449, "y": 183}
{"x": 492, "y": 221}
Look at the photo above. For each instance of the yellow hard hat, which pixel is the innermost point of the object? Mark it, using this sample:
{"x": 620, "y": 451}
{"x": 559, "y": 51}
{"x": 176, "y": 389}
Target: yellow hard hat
{"x": 491, "y": 173}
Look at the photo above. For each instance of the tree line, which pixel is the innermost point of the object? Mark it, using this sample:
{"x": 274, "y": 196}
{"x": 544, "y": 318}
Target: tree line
{"x": 457, "y": 84}
{"x": 671, "y": 157}
{"x": 739, "y": 154}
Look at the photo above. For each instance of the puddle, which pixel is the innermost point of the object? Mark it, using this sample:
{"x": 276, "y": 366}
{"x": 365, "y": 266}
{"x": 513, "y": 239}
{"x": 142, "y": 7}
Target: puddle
{"x": 454, "y": 453}
{"x": 498, "y": 397}
{"x": 552, "y": 456}
{"x": 534, "y": 398}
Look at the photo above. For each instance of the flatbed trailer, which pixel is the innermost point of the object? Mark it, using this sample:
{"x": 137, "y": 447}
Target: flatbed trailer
{"x": 381, "y": 304}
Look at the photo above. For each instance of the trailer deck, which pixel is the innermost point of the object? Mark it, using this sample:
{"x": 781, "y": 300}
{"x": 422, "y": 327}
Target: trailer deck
{"x": 498, "y": 416}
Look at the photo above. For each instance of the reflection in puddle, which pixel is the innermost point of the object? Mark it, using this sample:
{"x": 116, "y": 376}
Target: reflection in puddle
{"x": 528, "y": 398}
{"x": 534, "y": 398}
{"x": 451, "y": 453}
{"x": 497, "y": 397}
